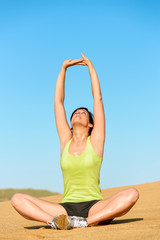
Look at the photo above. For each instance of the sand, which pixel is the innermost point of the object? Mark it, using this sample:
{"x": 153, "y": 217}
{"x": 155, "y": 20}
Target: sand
{"x": 140, "y": 223}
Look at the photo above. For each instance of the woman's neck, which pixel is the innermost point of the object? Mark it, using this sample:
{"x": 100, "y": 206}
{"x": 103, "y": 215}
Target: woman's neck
{"x": 80, "y": 135}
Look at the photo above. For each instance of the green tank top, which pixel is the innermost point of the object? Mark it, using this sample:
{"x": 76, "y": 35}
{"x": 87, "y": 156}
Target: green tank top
{"x": 81, "y": 175}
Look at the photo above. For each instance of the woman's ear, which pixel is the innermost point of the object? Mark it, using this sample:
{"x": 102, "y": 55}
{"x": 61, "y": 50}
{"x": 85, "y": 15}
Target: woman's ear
{"x": 90, "y": 125}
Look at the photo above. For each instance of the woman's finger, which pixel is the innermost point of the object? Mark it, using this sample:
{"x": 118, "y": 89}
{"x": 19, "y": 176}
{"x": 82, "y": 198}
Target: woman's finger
{"x": 83, "y": 55}
{"x": 77, "y": 60}
{"x": 82, "y": 64}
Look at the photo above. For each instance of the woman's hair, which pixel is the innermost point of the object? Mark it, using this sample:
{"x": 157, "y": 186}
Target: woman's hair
{"x": 91, "y": 117}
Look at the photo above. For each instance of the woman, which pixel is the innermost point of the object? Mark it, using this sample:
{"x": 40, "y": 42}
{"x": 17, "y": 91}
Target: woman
{"x": 82, "y": 148}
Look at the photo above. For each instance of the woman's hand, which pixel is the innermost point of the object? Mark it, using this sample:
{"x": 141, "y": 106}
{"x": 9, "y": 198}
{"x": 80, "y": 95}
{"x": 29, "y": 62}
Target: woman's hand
{"x": 70, "y": 62}
{"x": 82, "y": 61}
{"x": 86, "y": 61}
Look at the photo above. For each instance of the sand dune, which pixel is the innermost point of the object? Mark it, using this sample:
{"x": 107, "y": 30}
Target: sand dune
{"x": 141, "y": 223}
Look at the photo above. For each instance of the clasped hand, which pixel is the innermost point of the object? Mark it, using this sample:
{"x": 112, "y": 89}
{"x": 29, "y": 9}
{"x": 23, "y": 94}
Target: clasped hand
{"x": 82, "y": 61}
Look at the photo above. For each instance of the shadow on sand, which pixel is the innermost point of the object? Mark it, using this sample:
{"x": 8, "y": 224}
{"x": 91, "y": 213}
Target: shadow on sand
{"x": 121, "y": 221}
{"x": 37, "y": 227}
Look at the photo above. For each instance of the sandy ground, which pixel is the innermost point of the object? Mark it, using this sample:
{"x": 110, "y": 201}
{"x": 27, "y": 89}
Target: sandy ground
{"x": 142, "y": 222}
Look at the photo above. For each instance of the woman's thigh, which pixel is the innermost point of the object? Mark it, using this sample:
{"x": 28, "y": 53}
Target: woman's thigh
{"x": 98, "y": 206}
{"x": 47, "y": 206}
{"x": 103, "y": 203}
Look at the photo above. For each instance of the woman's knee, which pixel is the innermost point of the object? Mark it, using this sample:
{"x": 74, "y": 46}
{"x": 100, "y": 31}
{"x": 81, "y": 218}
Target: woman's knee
{"x": 17, "y": 199}
{"x": 132, "y": 194}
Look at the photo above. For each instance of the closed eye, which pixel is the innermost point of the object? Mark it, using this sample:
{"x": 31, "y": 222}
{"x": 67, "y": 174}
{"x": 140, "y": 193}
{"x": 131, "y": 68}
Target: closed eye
{"x": 83, "y": 112}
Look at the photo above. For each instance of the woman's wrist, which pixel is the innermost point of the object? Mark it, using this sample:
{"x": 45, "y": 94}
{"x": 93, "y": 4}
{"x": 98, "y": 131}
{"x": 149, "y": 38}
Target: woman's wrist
{"x": 90, "y": 66}
{"x": 63, "y": 68}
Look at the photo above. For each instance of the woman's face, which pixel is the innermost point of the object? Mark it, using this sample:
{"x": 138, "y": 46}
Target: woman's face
{"x": 80, "y": 116}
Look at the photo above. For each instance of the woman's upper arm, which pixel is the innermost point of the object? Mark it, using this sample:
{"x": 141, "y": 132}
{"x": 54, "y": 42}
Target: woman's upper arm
{"x": 98, "y": 132}
{"x": 62, "y": 125}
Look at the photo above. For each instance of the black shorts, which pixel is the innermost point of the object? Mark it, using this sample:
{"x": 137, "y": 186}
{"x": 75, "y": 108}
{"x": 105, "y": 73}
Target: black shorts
{"x": 79, "y": 209}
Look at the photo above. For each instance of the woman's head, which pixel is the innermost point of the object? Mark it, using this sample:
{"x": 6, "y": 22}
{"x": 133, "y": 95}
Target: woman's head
{"x": 89, "y": 115}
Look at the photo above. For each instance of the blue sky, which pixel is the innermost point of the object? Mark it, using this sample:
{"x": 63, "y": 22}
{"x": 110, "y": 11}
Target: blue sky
{"x": 122, "y": 39}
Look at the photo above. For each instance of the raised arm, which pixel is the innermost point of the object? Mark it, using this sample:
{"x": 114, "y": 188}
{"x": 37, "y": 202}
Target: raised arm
{"x": 98, "y": 132}
{"x": 63, "y": 128}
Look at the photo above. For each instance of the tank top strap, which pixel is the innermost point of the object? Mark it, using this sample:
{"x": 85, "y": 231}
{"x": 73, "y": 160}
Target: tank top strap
{"x": 68, "y": 144}
{"x": 65, "y": 150}
{"x": 92, "y": 149}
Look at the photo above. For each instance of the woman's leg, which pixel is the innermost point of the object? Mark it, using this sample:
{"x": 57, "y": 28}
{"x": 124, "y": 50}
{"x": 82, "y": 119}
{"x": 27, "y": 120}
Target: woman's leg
{"x": 36, "y": 209}
{"x": 115, "y": 206}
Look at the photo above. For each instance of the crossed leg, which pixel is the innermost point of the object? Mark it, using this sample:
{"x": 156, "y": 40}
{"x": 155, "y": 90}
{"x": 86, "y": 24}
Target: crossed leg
{"x": 116, "y": 206}
{"x": 36, "y": 209}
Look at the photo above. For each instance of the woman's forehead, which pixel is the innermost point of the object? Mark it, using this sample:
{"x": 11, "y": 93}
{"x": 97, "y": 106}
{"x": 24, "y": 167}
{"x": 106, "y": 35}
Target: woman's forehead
{"x": 81, "y": 109}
